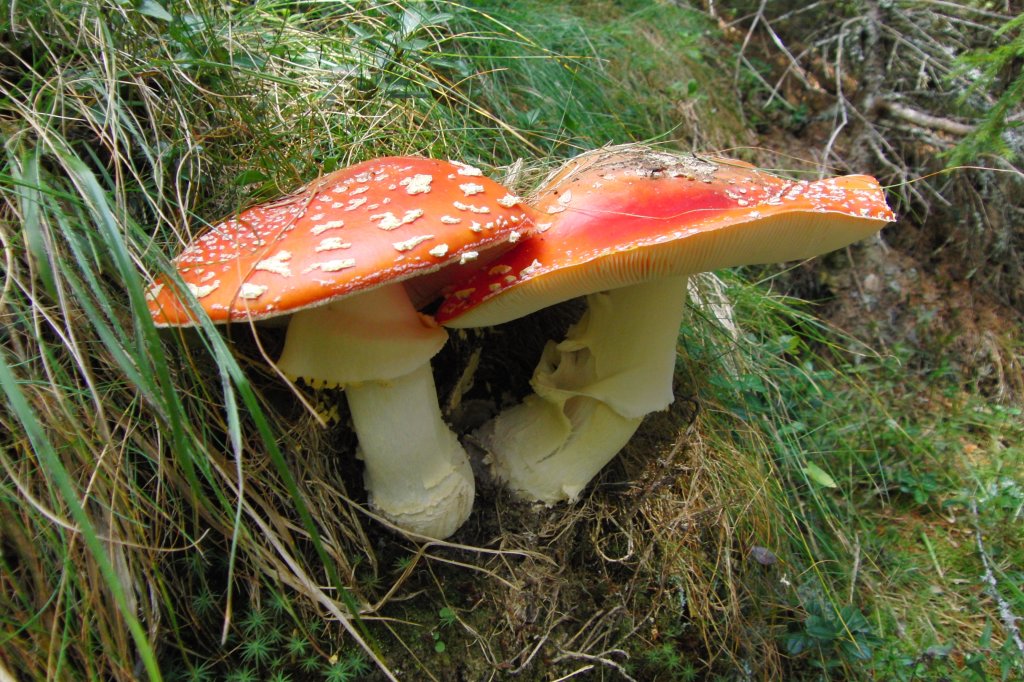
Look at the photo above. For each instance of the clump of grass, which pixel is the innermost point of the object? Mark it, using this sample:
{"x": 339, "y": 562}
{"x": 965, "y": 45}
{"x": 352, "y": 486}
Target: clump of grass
{"x": 883, "y": 469}
{"x": 572, "y": 77}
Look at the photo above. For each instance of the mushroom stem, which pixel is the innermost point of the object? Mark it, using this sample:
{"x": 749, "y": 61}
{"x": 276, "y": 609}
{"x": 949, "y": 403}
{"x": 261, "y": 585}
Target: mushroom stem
{"x": 417, "y": 473}
{"x": 378, "y": 348}
{"x": 592, "y": 390}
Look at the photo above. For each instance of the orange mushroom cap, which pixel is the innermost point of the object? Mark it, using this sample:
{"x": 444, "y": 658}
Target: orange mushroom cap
{"x": 375, "y": 223}
{"x": 612, "y": 218}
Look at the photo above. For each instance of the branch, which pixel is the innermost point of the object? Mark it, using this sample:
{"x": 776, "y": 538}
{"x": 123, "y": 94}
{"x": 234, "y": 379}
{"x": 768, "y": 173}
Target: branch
{"x": 920, "y": 118}
{"x": 1005, "y": 612}
{"x": 602, "y": 659}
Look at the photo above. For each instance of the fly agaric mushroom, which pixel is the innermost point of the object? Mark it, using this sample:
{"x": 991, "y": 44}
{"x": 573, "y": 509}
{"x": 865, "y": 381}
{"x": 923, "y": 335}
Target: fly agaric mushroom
{"x": 337, "y": 255}
{"x": 625, "y": 227}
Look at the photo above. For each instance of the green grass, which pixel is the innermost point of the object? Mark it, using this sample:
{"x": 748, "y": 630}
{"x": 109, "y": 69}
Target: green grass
{"x": 899, "y": 479}
{"x": 163, "y": 513}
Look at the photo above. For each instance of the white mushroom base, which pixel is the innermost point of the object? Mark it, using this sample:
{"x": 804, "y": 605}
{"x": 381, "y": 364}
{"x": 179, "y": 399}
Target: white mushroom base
{"x": 592, "y": 390}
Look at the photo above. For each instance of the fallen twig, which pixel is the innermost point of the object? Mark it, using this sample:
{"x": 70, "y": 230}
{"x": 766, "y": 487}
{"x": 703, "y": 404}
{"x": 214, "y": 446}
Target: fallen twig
{"x": 924, "y": 120}
{"x": 1005, "y": 612}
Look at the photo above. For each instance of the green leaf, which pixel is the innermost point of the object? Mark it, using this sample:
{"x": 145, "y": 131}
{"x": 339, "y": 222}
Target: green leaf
{"x": 154, "y": 10}
{"x": 819, "y": 475}
{"x": 821, "y": 628}
{"x": 250, "y": 176}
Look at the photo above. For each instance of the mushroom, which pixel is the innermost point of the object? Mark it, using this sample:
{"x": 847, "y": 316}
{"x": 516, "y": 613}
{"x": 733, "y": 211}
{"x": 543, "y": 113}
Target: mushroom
{"x": 337, "y": 256}
{"x": 625, "y": 227}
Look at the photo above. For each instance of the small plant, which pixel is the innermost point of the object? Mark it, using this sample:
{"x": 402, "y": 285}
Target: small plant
{"x": 337, "y": 672}
{"x": 203, "y": 672}
{"x": 349, "y": 667}
{"x": 1008, "y": 658}
{"x": 204, "y": 601}
{"x": 258, "y": 650}
{"x": 279, "y": 603}
{"x": 297, "y": 645}
{"x": 922, "y": 487}
{"x": 310, "y": 663}
{"x": 833, "y": 637}
{"x": 439, "y": 645}
{"x": 279, "y": 676}
{"x": 447, "y": 617}
{"x": 255, "y": 622}
{"x": 665, "y": 659}
{"x": 242, "y": 675}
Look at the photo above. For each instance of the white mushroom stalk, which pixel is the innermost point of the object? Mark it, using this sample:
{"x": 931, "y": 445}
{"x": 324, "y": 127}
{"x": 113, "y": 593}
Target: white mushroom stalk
{"x": 378, "y": 348}
{"x": 625, "y": 227}
{"x": 591, "y": 392}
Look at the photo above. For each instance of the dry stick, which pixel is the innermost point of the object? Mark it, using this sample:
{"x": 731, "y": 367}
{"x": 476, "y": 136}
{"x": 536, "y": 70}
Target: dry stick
{"x": 856, "y": 566}
{"x": 793, "y": 67}
{"x": 1005, "y": 612}
{"x": 742, "y": 59}
{"x": 576, "y": 673}
{"x": 412, "y": 654}
{"x": 590, "y": 627}
{"x": 600, "y": 658}
{"x": 842, "y": 103}
{"x": 428, "y": 541}
{"x": 794, "y": 63}
{"x": 924, "y": 120}
{"x": 872, "y": 80}
{"x": 540, "y": 642}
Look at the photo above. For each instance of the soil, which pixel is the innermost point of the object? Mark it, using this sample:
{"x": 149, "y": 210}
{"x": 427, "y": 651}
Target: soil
{"x": 887, "y": 297}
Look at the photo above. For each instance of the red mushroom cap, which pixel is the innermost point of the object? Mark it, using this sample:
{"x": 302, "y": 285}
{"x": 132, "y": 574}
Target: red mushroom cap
{"x": 378, "y": 222}
{"x": 613, "y": 218}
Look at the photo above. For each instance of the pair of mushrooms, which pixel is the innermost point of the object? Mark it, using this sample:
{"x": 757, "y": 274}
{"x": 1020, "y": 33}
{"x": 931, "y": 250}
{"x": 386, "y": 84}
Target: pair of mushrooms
{"x": 354, "y": 254}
